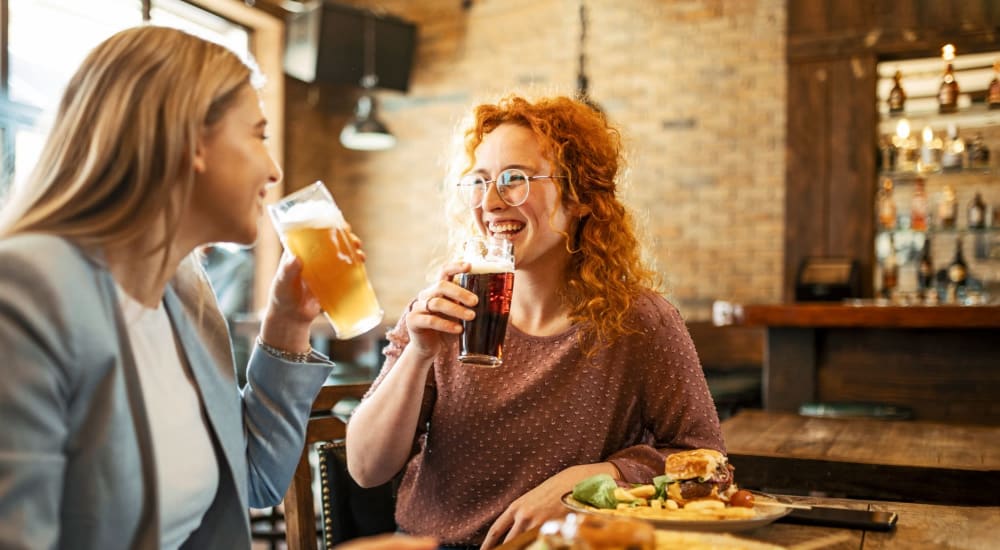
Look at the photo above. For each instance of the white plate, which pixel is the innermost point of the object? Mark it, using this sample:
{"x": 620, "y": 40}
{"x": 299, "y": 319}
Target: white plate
{"x": 764, "y": 516}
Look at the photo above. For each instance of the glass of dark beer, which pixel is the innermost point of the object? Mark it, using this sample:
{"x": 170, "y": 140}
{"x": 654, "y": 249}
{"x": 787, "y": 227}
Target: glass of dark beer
{"x": 492, "y": 279}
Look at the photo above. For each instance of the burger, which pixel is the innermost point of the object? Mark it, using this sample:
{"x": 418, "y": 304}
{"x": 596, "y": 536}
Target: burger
{"x": 698, "y": 474}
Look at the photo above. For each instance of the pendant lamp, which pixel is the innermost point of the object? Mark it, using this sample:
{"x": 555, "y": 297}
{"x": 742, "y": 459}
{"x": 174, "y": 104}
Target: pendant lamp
{"x": 366, "y": 132}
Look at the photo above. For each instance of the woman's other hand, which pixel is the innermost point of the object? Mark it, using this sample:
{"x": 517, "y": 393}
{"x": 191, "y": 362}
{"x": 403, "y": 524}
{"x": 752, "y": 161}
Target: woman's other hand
{"x": 439, "y": 308}
{"x": 541, "y": 504}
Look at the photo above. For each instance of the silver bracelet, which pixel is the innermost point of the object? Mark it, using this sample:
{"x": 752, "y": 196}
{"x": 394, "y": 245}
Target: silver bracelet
{"x": 284, "y": 355}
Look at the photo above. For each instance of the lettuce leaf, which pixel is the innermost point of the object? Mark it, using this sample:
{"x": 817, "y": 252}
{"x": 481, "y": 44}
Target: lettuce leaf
{"x": 597, "y": 491}
{"x": 661, "y": 482}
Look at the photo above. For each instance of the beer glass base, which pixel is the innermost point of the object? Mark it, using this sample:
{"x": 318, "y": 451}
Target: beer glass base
{"x": 357, "y": 329}
{"x": 480, "y": 360}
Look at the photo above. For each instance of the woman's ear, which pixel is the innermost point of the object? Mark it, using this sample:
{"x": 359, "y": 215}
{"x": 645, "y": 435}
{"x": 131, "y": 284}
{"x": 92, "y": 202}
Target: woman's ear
{"x": 199, "y": 163}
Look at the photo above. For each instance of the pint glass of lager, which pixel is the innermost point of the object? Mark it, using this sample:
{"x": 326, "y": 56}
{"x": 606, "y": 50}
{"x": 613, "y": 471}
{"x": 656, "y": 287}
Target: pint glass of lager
{"x": 492, "y": 279}
{"x": 313, "y": 228}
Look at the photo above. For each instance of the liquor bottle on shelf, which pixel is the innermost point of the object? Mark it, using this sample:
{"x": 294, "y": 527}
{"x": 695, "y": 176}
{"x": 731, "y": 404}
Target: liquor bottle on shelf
{"x": 948, "y": 208}
{"x": 890, "y": 271}
{"x": 887, "y": 155}
{"x": 977, "y": 212}
{"x": 958, "y": 273}
{"x": 953, "y": 151}
{"x": 948, "y": 92}
{"x": 886, "y": 205}
{"x": 906, "y": 147}
{"x": 979, "y": 154}
{"x": 918, "y": 206}
{"x": 930, "y": 152}
{"x": 897, "y": 97}
{"x": 993, "y": 92}
{"x": 925, "y": 272}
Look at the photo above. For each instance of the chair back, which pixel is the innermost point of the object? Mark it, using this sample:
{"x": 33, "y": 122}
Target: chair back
{"x": 324, "y": 425}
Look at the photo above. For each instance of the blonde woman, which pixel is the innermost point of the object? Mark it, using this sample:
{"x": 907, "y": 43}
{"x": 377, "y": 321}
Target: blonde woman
{"x": 123, "y": 426}
{"x": 599, "y": 373}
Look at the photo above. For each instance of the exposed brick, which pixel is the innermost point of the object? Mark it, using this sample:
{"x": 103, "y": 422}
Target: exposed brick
{"x": 697, "y": 87}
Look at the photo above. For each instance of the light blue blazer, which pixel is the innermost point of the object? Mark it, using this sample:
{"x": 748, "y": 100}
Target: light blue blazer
{"x": 76, "y": 461}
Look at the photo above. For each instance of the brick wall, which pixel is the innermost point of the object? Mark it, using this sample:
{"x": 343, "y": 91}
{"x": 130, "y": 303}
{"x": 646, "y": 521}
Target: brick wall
{"x": 697, "y": 86}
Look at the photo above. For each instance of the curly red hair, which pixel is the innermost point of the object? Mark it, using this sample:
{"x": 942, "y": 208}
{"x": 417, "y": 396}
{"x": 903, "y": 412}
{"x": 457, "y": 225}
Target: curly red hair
{"x": 605, "y": 274}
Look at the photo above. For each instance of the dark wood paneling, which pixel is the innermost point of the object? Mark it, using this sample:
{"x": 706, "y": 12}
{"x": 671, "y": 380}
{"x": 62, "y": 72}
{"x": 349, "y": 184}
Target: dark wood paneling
{"x": 890, "y": 43}
{"x": 850, "y": 14}
{"x": 852, "y": 162}
{"x": 973, "y": 14}
{"x": 896, "y": 14}
{"x": 949, "y": 375}
{"x": 992, "y": 10}
{"x": 789, "y": 368}
{"x": 832, "y": 49}
{"x": 832, "y": 19}
{"x": 810, "y": 17}
{"x": 806, "y": 175}
{"x": 936, "y": 14}
{"x": 728, "y": 347}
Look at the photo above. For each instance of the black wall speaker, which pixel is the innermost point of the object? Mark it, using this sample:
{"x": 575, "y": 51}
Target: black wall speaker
{"x": 326, "y": 43}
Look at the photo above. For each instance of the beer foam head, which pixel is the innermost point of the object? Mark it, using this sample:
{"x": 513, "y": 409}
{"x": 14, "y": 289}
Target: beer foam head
{"x": 491, "y": 266}
{"x": 311, "y": 214}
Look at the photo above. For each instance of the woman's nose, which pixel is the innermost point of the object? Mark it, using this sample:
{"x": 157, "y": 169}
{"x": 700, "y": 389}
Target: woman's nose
{"x": 491, "y": 198}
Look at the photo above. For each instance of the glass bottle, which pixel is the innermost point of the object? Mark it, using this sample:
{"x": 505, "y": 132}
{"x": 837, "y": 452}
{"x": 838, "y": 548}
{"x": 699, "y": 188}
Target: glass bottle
{"x": 887, "y": 155}
{"x": 958, "y": 270}
{"x": 930, "y": 152}
{"x": 948, "y": 92}
{"x": 897, "y": 97}
{"x": 906, "y": 147}
{"x": 918, "y": 206}
{"x": 890, "y": 270}
{"x": 886, "y": 205}
{"x": 979, "y": 154}
{"x": 948, "y": 208}
{"x": 993, "y": 92}
{"x": 925, "y": 272}
{"x": 977, "y": 212}
{"x": 953, "y": 151}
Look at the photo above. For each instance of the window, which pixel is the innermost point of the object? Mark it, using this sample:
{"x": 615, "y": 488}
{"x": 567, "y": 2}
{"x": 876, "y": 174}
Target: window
{"x": 38, "y": 68}
{"x": 34, "y": 70}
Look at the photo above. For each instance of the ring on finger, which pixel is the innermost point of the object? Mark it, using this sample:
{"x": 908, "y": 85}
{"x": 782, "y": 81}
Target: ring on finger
{"x": 427, "y": 305}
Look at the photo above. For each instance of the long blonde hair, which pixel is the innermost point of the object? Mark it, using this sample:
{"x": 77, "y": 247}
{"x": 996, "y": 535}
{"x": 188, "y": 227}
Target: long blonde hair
{"x": 606, "y": 272}
{"x": 119, "y": 157}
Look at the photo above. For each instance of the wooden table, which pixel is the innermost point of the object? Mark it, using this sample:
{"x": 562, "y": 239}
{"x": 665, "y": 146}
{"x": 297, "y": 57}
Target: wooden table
{"x": 919, "y": 526}
{"x": 865, "y": 458}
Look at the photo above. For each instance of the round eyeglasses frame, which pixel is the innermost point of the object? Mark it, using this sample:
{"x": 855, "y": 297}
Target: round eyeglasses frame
{"x": 513, "y": 187}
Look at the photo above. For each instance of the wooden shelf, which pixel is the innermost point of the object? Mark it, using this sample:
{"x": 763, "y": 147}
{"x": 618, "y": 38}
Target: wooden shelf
{"x": 960, "y": 176}
{"x": 976, "y": 115}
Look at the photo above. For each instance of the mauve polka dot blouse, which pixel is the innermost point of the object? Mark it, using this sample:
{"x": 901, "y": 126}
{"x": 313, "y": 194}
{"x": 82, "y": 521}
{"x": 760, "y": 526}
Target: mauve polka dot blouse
{"x": 487, "y": 436}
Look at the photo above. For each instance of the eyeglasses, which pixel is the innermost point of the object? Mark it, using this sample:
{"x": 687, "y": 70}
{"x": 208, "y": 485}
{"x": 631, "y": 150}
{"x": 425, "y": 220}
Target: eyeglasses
{"x": 512, "y": 185}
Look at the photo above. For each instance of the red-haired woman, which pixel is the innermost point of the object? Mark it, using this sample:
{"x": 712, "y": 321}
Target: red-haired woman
{"x": 599, "y": 373}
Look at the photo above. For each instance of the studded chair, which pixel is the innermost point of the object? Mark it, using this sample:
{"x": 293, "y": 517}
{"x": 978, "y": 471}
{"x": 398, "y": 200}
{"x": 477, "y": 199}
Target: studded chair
{"x": 349, "y": 511}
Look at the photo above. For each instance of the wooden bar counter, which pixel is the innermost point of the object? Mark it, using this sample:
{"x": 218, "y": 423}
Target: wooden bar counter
{"x": 941, "y": 362}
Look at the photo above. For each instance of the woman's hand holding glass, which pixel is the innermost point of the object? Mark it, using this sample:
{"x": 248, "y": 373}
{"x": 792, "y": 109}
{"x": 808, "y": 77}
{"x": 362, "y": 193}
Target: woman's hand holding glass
{"x": 439, "y": 308}
{"x": 291, "y": 306}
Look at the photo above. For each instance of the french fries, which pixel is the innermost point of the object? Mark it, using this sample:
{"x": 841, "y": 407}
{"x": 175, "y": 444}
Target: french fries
{"x": 680, "y": 514}
{"x": 639, "y": 502}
